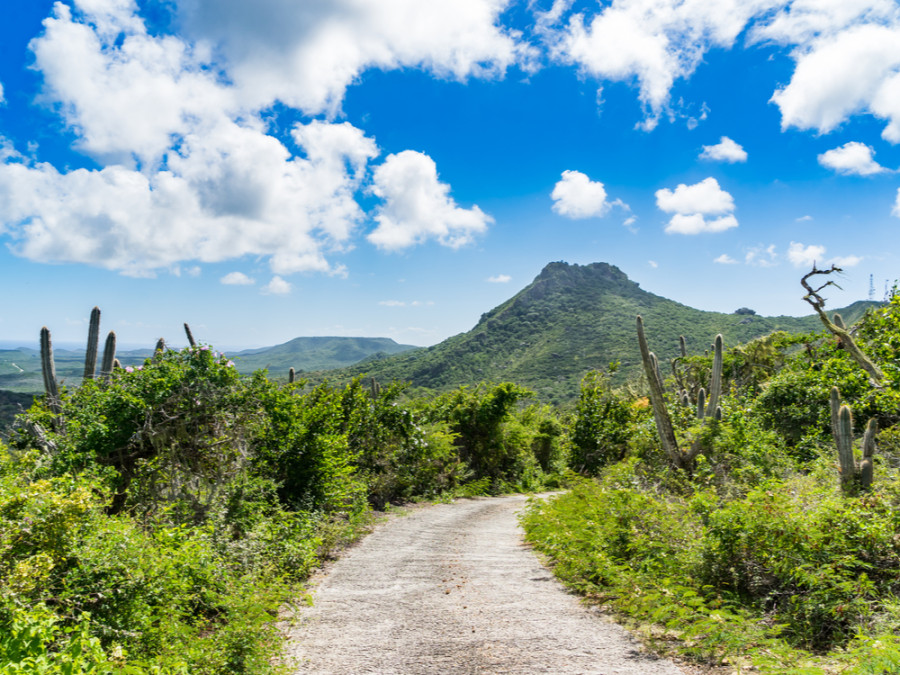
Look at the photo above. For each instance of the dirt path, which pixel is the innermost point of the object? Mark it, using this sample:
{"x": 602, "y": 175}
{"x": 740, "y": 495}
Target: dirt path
{"x": 451, "y": 589}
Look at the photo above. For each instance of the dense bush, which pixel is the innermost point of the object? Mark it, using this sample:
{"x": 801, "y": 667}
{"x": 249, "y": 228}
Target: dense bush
{"x": 159, "y": 519}
{"x": 752, "y": 554}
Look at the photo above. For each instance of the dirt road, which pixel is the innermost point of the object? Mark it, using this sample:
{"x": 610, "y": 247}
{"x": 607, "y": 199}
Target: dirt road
{"x": 451, "y": 589}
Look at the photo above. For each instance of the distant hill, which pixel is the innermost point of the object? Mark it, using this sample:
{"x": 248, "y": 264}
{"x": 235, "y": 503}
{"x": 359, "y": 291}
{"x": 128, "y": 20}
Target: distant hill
{"x": 316, "y": 353}
{"x": 20, "y": 369}
{"x": 569, "y": 320}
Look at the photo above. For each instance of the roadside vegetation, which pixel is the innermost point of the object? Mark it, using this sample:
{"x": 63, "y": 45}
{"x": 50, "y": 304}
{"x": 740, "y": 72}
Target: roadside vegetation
{"x": 156, "y": 518}
{"x": 752, "y": 542}
{"x": 739, "y": 505}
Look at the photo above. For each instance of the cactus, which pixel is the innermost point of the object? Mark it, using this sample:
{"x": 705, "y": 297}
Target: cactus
{"x": 48, "y": 367}
{"x": 660, "y": 413}
{"x": 190, "y": 335}
{"x": 707, "y": 408}
{"x": 867, "y": 466}
{"x": 683, "y": 345}
{"x": 844, "y": 442}
{"x": 854, "y": 475}
{"x": 160, "y": 346}
{"x": 109, "y": 356}
{"x": 376, "y": 389}
{"x": 715, "y": 383}
{"x": 90, "y": 356}
{"x": 291, "y": 376}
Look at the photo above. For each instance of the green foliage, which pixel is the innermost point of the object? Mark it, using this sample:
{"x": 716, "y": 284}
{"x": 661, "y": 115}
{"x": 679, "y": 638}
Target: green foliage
{"x": 491, "y": 442}
{"x": 600, "y": 432}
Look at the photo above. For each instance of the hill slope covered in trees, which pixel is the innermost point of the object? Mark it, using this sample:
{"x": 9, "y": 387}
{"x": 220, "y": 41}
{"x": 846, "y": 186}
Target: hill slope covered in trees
{"x": 569, "y": 320}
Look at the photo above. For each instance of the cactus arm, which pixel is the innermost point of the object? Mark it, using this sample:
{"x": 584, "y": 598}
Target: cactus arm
{"x": 844, "y": 442}
{"x": 48, "y": 369}
{"x": 867, "y": 465}
{"x": 109, "y": 356}
{"x": 190, "y": 335}
{"x": 660, "y": 414}
{"x": 715, "y": 384}
{"x": 90, "y": 356}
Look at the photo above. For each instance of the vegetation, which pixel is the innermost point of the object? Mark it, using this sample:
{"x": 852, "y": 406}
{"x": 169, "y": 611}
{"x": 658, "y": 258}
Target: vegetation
{"x": 156, "y": 518}
{"x": 776, "y": 547}
{"x": 740, "y": 504}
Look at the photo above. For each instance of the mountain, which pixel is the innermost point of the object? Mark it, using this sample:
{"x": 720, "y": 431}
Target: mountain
{"x": 20, "y": 369}
{"x": 316, "y": 353}
{"x": 569, "y": 320}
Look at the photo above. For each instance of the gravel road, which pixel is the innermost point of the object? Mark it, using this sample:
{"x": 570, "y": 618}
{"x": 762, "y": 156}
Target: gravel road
{"x": 451, "y": 589}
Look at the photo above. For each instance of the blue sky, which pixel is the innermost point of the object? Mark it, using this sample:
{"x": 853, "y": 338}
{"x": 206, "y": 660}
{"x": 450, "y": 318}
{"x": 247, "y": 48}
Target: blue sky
{"x": 396, "y": 168}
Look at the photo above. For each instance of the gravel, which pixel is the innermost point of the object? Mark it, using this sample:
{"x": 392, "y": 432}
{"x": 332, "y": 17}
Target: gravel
{"x": 451, "y": 589}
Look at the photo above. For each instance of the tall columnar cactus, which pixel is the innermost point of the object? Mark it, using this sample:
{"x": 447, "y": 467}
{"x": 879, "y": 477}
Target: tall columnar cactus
{"x": 853, "y": 475}
{"x": 376, "y": 389}
{"x": 109, "y": 356}
{"x": 682, "y": 458}
{"x": 48, "y": 368}
{"x": 190, "y": 335}
{"x": 683, "y": 345}
{"x": 291, "y": 376}
{"x": 657, "y": 400}
{"x": 715, "y": 383}
{"x": 90, "y": 356}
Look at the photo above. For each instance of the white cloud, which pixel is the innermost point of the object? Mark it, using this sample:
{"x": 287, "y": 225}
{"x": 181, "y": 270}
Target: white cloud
{"x": 577, "y": 196}
{"x": 237, "y": 279}
{"x": 762, "y": 256}
{"x": 843, "y": 72}
{"x": 846, "y": 260}
{"x": 653, "y": 264}
{"x": 804, "y": 219}
{"x": 418, "y": 207}
{"x": 277, "y": 286}
{"x": 896, "y": 210}
{"x": 726, "y": 150}
{"x": 851, "y": 158}
{"x": 654, "y": 42}
{"x": 2, "y": 100}
{"x": 306, "y": 54}
{"x": 392, "y": 303}
{"x": 805, "y": 256}
{"x": 692, "y": 206}
{"x": 500, "y": 279}
{"x": 725, "y": 259}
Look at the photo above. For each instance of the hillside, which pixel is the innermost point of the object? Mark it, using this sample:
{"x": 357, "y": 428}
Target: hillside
{"x": 20, "y": 369}
{"x": 316, "y": 353}
{"x": 569, "y": 320}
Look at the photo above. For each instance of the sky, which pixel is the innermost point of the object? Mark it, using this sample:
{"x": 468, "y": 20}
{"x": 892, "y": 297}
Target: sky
{"x": 396, "y": 168}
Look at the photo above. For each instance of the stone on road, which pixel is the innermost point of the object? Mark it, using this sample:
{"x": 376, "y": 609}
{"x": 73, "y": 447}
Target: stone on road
{"x": 452, "y": 589}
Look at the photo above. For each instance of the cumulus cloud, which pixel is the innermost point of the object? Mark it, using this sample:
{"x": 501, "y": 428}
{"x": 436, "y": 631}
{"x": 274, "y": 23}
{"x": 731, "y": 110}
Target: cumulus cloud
{"x": 500, "y": 279}
{"x": 277, "y": 286}
{"x": 306, "y": 54}
{"x": 851, "y": 158}
{"x": 2, "y": 100}
{"x": 577, "y": 196}
{"x": 725, "y": 259}
{"x": 806, "y": 256}
{"x": 417, "y": 207}
{"x": 702, "y": 207}
{"x": 237, "y": 279}
{"x": 846, "y": 52}
{"x": 654, "y": 42}
{"x": 174, "y": 123}
{"x": 726, "y": 150}
{"x": 896, "y": 210}
{"x": 844, "y": 71}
